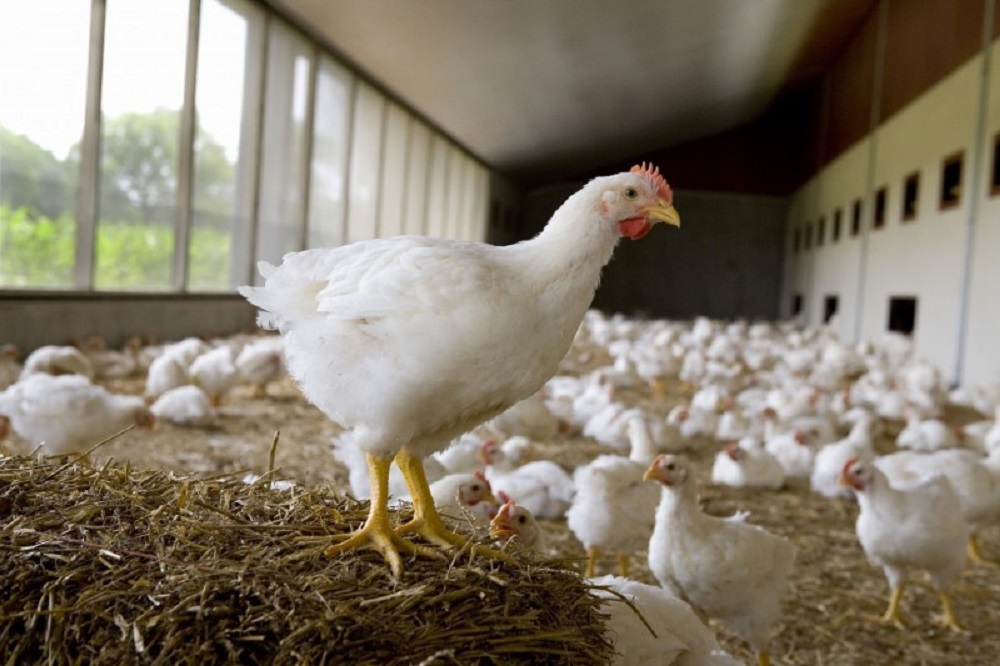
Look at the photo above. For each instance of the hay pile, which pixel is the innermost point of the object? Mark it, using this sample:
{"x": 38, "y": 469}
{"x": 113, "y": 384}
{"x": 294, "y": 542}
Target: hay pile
{"x": 114, "y": 565}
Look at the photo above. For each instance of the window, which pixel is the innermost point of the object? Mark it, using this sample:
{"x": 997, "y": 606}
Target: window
{"x": 281, "y": 224}
{"x": 415, "y": 209}
{"x": 328, "y": 171}
{"x": 856, "y": 217}
{"x": 995, "y": 169}
{"x": 437, "y": 188}
{"x": 951, "y": 181}
{"x": 796, "y": 304}
{"x": 821, "y": 231}
{"x": 366, "y": 151}
{"x": 878, "y": 216}
{"x": 837, "y": 215}
{"x": 830, "y": 306}
{"x": 393, "y": 185}
{"x": 224, "y": 179}
{"x": 911, "y": 193}
{"x": 44, "y": 60}
{"x": 902, "y": 314}
{"x": 145, "y": 49}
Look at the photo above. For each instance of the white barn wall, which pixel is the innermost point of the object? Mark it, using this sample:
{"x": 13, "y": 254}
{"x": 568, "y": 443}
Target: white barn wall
{"x": 836, "y": 263}
{"x": 981, "y": 360}
{"x": 923, "y": 258}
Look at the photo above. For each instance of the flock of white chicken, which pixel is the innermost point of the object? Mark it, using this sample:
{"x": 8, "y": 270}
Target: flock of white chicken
{"x": 775, "y": 401}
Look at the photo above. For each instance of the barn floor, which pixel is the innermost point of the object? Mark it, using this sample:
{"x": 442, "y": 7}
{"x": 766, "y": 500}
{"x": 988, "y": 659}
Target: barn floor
{"x": 830, "y": 614}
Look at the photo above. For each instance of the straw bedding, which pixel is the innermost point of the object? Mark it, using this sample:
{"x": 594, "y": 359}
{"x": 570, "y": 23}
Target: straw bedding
{"x": 164, "y": 555}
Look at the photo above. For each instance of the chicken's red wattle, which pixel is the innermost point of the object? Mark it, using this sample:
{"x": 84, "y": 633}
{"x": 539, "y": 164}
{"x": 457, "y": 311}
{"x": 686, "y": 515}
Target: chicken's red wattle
{"x": 634, "y": 228}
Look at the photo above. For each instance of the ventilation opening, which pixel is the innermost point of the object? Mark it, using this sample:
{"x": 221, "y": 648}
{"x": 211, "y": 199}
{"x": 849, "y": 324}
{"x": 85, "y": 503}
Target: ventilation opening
{"x": 796, "y": 240}
{"x": 796, "y": 304}
{"x": 911, "y": 191}
{"x": 902, "y": 314}
{"x": 878, "y": 216}
{"x": 821, "y": 232}
{"x": 856, "y": 217}
{"x": 951, "y": 181}
{"x": 836, "y": 225}
{"x": 830, "y": 306}
{"x": 808, "y": 239}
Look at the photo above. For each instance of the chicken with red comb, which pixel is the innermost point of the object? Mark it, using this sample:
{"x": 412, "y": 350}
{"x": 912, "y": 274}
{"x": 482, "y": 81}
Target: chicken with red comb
{"x": 917, "y": 526}
{"x": 409, "y": 342}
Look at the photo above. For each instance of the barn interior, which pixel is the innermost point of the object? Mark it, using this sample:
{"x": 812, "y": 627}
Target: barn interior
{"x": 835, "y": 165}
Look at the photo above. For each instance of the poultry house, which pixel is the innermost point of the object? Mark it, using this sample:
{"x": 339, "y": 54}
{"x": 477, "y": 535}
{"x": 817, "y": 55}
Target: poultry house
{"x": 727, "y": 568}
{"x": 382, "y": 335}
{"x": 919, "y": 526}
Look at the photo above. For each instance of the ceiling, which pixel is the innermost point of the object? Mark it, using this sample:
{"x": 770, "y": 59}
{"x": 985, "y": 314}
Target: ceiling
{"x": 539, "y": 89}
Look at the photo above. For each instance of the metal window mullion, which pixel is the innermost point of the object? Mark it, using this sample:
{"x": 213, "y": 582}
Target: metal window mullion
{"x": 258, "y": 150}
{"x": 185, "y": 153}
{"x": 307, "y": 150}
{"x": 352, "y": 99}
{"x": 380, "y": 168}
{"x": 426, "y": 222}
{"x": 88, "y": 199}
{"x": 405, "y": 182}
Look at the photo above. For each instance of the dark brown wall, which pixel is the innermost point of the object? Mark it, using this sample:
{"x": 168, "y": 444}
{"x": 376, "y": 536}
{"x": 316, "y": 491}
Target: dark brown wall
{"x": 849, "y": 86}
{"x": 925, "y": 40}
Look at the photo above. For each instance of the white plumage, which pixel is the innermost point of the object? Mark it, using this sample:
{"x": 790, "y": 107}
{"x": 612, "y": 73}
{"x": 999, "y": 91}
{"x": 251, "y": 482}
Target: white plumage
{"x": 409, "y": 342}
{"x": 184, "y": 406}
{"x": 729, "y": 569}
{"x": 681, "y": 639}
{"x": 67, "y": 413}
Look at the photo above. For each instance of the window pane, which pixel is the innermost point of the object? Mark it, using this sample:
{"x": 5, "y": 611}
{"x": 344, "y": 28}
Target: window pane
{"x": 329, "y": 158}
{"x": 455, "y": 193}
{"x": 393, "y": 189}
{"x": 416, "y": 179}
{"x": 43, "y": 79}
{"x": 437, "y": 188}
{"x": 366, "y": 147}
{"x": 282, "y": 186}
{"x": 229, "y": 65}
{"x": 142, "y": 93}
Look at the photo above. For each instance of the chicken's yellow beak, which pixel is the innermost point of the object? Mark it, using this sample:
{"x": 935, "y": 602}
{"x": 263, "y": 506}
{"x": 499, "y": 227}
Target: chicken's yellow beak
{"x": 664, "y": 212}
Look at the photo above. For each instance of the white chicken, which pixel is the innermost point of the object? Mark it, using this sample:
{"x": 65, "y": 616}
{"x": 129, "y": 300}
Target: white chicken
{"x": 727, "y": 568}
{"x": 541, "y": 486}
{"x": 680, "y": 638}
{"x": 913, "y": 527}
{"x": 65, "y": 414}
{"x": 214, "y": 372}
{"x": 260, "y": 363}
{"x": 830, "y": 460}
{"x": 411, "y": 341}
{"x": 925, "y": 434}
{"x": 459, "y": 494}
{"x": 613, "y": 509}
{"x": 517, "y": 522}
{"x": 975, "y": 479}
{"x": 184, "y": 406}
{"x": 58, "y": 360}
{"x": 747, "y": 463}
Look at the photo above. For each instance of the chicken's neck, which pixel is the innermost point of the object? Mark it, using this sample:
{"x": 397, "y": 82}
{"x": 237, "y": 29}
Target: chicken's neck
{"x": 878, "y": 495}
{"x": 680, "y": 504}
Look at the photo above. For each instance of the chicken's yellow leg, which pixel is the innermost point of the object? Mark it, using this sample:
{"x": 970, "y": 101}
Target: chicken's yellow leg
{"x": 976, "y": 555}
{"x": 763, "y": 659}
{"x": 377, "y": 532}
{"x": 948, "y": 618}
{"x": 592, "y": 554}
{"x": 623, "y": 565}
{"x": 892, "y": 612}
{"x": 426, "y": 520}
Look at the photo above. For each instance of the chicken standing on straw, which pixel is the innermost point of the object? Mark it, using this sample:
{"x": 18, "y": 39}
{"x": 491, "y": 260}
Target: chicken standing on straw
{"x": 411, "y": 341}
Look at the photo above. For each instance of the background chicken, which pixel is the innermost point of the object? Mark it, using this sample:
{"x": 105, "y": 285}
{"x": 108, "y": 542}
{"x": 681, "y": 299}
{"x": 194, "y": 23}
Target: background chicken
{"x": 65, "y": 414}
{"x": 727, "y": 568}
{"x": 914, "y": 527}
{"x": 410, "y": 342}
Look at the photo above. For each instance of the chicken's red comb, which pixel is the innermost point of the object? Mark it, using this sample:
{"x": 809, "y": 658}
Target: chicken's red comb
{"x": 655, "y": 179}
{"x": 847, "y": 465}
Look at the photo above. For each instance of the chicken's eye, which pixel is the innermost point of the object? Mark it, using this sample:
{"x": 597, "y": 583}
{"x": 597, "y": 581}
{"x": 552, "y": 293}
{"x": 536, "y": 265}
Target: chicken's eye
{"x": 671, "y": 467}
{"x": 631, "y": 193}
{"x": 521, "y": 519}
{"x": 475, "y": 488}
